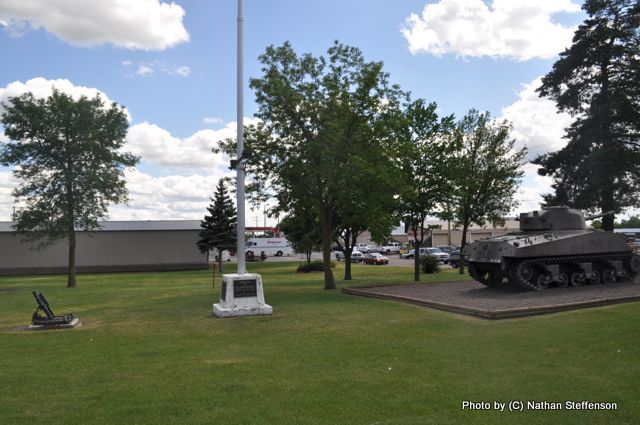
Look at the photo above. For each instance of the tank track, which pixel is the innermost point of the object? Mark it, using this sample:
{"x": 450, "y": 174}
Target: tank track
{"x": 488, "y": 275}
{"x": 531, "y": 273}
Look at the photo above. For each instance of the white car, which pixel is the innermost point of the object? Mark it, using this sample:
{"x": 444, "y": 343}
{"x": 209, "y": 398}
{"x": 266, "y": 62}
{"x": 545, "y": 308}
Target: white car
{"x": 356, "y": 256}
{"x": 391, "y": 248}
{"x": 441, "y": 256}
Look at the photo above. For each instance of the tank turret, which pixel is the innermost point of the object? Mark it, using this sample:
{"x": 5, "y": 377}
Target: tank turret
{"x": 553, "y": 247}
{"x": 552, "y": 218}
{"x": 555, "y": 218}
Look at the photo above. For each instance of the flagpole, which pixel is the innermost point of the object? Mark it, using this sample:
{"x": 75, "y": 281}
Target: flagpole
{"x": 242, "y": 268}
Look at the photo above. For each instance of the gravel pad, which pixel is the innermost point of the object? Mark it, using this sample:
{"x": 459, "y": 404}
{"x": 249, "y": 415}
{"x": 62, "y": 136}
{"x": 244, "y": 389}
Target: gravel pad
{"x": 473, "y": 298}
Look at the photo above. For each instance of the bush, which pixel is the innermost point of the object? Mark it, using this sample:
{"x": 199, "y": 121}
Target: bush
{"x": 429, "y": 264}
{"x": 314, "y": 266}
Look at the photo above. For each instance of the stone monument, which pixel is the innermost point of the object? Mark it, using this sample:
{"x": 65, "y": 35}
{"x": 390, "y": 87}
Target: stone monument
{"x": 241, "y": 295}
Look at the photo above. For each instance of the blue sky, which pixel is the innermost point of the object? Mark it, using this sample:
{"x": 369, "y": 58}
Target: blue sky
{"x": 172, "y": 65}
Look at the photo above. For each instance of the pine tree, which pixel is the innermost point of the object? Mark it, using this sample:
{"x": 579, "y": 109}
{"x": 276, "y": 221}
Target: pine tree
{"x": 597, "y": 80}
{"x": 219, "y": 226}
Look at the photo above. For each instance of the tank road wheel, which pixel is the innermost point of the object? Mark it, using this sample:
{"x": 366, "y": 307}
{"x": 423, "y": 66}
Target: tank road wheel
{"x": 633, "y": 267}
{"x": 578, "y": 278}
{"x": 609, "y": 276}
{"x": 541, "y": 281}
{"x": 521, "y": 274}
{"x": 596, "y": 278}
{"x": 563, "y": 280}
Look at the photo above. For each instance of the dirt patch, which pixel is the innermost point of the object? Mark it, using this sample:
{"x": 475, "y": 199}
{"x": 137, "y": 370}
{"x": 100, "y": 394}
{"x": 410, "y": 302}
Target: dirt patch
{"x": 473, "y": 298}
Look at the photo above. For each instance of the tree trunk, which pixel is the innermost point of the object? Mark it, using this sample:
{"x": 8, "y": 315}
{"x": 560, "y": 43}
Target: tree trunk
{"x": 418, "y": 243}
{"x": 608, "y": 204}
{"x": 416, "y": 262}
{"x": 462, "y": 245}
{"x": 220, "y": 260}
{"x": 308, "y": 255}
{"x": 347, "y": 267}
{"x": 71, "y": 275}
{"x": 325, "y": 225}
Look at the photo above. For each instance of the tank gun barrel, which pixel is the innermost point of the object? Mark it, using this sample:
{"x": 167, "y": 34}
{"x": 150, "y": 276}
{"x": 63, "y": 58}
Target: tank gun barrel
{"x": 592, "y": 217}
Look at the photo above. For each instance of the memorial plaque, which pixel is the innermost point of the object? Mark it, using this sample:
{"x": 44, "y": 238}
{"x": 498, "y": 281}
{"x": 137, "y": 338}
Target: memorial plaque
{"x": 245, "y": 288}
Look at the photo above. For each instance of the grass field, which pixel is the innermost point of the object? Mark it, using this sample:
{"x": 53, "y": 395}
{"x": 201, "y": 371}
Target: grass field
{"x": 151, "y": 353}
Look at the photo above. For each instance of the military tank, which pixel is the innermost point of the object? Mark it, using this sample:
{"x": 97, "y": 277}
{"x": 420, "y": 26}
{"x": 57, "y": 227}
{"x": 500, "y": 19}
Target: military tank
{"x": 553, "y": 248}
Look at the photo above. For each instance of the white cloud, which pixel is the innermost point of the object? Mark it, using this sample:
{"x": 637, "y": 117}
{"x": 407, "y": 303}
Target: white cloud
{"x": 537, "y": 123}
{"x": 517, "y": 29}
{"x": 147, "y": 69}
{"x": 140, "y": 24}
{"x": 211, "y": 120}
{"x": 126, "y": 63}
{"x": 42, "y": 88}
{"x": 533, "y": 186}
{"x": 7, "y": 184}
{"x": 175, "y": 197}
{"x": 144, "y": 70}
{"x": 157, "y": 146}
{"x": 182, "y": 71}
{"x": 169, "y": 197}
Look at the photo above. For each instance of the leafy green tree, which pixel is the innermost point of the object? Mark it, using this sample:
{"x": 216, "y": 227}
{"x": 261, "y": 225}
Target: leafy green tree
{"x": 422, "y": 154}
{"x": 486, "y": 172}
{"x": 368, "y": 199}
{"x": 597, "y": 80}
{"x": 303, "y": 231}
{"x": 219, "y": 226}
{"x": 68, "y": 156}
{"x": 632, "y": 222}
{"x": 321, "y": 118}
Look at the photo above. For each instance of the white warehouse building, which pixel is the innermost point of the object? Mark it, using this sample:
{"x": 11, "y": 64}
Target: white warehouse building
{"x": 117, "y": 246}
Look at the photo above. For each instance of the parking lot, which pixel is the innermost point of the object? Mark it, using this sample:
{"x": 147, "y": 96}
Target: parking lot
{"x": 394, "y": 259}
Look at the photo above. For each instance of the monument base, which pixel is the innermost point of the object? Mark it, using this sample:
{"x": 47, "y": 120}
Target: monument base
{"x": 241, "y": 295}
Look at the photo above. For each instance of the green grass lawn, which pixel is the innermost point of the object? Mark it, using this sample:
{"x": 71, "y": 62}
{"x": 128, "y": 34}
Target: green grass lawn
{"x": 150, "y": 352}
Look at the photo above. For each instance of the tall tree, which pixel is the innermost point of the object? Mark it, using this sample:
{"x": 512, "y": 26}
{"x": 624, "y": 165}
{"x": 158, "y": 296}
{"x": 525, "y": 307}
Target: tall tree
{"x": 422, "y": 151}
{"x": 597, "y": 80}
{"x": 302, "y": 228}
{"x": 68, "y": 156}
{"x": 486, "y": 172}
{"x": 368, "y": 198}
{"x": 219, "y": 226}
{"x": 320, "y": 116}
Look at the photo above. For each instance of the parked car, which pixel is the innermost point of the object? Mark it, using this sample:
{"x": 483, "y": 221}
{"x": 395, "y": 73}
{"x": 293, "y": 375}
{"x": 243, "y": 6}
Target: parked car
{"x": 365, "y": 248}
{"x": 375, "y": 258}
{"x": 454, "y": 258}
{"x": 391, "y": 248}
{"x": 442, "y": 257}
{"x": 356, "y": 256}
{"x": 446, "y": 248}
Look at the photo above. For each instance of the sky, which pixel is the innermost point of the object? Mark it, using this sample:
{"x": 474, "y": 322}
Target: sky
{"x": 172, "y": 65}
